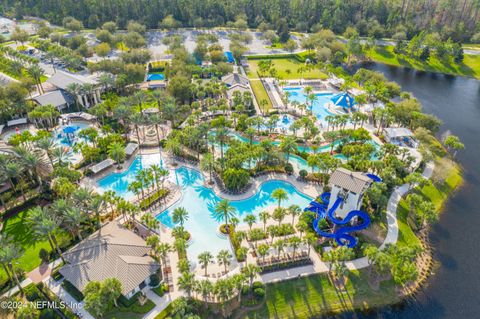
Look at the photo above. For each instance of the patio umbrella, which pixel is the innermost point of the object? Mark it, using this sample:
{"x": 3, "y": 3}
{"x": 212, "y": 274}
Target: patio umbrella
{"x": 69, "y": 130}
{"x": 343, "y": 100}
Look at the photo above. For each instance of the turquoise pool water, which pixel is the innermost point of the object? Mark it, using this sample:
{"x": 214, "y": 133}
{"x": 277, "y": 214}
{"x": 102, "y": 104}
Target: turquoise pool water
{"x": 155, "y": 76}
{"x": 283, "y": 124}
{"x": 318, "y": 108}
{"x": 200, "y": 203}
{"x": 118, "y": 182}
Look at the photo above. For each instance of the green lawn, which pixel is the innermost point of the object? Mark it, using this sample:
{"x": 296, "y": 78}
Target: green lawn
{"x": 438, "y": 193}
{"x": 260, "y": 93}
{"x": 17, "y": 228}
{"x": 315, "y": 296}
{"x": 469, "y": 67}
{"x": 287, "y": 69}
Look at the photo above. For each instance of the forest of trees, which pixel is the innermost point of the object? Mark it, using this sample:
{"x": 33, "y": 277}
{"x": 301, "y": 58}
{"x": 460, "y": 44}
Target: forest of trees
{"x": 455, "y": 19}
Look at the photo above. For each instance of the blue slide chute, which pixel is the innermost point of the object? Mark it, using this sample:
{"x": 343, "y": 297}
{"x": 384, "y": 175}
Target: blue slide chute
{"x": 341, "y": 235}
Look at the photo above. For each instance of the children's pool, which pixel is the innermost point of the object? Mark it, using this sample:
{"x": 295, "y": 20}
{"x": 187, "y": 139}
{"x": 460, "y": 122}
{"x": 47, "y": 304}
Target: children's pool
{"x": 319, "y": 105}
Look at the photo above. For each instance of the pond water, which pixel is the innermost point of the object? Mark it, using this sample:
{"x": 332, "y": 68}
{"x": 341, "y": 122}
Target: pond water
{"x": 453, "y": 290}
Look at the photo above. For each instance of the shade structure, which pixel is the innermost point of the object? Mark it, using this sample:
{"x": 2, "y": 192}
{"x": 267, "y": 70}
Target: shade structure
{"x": 69, "y": 129}
{"x": 344, "y": 100}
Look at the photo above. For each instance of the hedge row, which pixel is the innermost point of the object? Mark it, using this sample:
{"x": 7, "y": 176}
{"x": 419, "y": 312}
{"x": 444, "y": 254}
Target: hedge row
{"x": 153, "y": 198}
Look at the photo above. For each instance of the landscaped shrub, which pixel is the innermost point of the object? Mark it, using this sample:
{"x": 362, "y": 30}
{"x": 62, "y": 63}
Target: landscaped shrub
{"x": 31, "y": 292}
{"x": 153, "y": 198}
{"x": 48, "y": 313}
{"x": 303, "y": 173}
{"x": 289, "y": 168}
{"x": 257, "y": 284}
{"x": 44, "y": 255}
{"x": 154, "y": 280}
{"x": 161, "y": 290}
{"x": 124, "y": 301}
{"x": 259, "y": 293}
{"x": 56, "y": 275}
{"x": 72, "y": 290}
{"x": 235, "y": 179}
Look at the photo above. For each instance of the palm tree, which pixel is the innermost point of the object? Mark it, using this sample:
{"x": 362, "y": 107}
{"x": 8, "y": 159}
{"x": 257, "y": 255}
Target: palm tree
{"x": 75, "y": 90}
{"x": 36, "y": 73}
{"x": 279, "y": 246}
{"x": 288, "y": 146}
{"x": 221, "y": 135}
{"x": 207, "y": 163}
{"x": 13, "y": 171}
{"x": 294, "y": 242}
{"x": 279, "y": 214}
{"x": 279, "y": 194}
{"x": 205, "y": 289}
{"x": 205, "y": 259}
{"x": 180, "y": 216}
{"x": 10, "y": 254}
{"x": 73, "y": 219}
{"x": 61, "y": 154}
{"x": 251, "y": 271}
{"x": 238, "y": 280}
{"x": 250, "y": 219}
{"x": 186, "y": 282}
{"x": 45, "y": 226}
{"x": 4, "y": 258}
{"x": 223, "y": 290}
{"x": 47, "y": 145}
{"x": 264, "y": 216}
{"x": 224, "y": 258}
{"x": 137, "y": 120}
{"x": 309, "y": 240}
{"x": 162, "y": 250}
{"x": 225, "y": 211}
{"x": 294, "y": 210}
{"x": 263, "y": 250}
{"x": 116, "y": 151}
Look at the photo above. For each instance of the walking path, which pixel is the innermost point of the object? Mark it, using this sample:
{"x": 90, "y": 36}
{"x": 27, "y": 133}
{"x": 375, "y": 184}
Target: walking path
{"x": 76, "y": 306}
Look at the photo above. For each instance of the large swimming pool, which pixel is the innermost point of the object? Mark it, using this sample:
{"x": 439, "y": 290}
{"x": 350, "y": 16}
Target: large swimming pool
{"x": 200, "y": 202}
{"x": 118, "y": 182}
{"x": 297, "y": 94}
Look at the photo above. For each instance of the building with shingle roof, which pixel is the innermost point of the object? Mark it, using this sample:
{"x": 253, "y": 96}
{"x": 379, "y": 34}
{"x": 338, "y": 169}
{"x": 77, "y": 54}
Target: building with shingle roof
{"x": 86, "y": 97}
{"x": 234, "y": 79}
{"x": 350, "y": 186}
{"x": 112, "y": 252}
{"x": 58, "y": 98}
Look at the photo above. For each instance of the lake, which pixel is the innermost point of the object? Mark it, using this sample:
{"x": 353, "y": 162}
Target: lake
{"x": 453, "y": 291}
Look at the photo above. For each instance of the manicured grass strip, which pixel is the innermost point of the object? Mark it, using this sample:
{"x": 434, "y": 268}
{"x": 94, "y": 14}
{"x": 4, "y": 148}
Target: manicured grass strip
{"x": 469, "y": 67}
{"x": 450, "y": 178}
{"x": 260, "y": 94}
{"x": 17, "y": 228}
{"x": 287, "y": 69}
{"x": 313, "y": 296}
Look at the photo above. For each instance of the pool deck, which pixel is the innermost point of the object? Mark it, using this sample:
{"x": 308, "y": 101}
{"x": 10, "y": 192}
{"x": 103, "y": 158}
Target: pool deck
{"x": 311, "y": 190}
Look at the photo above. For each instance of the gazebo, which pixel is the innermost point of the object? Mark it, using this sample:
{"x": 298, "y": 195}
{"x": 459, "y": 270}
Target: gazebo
{"x": 343, "y": 100}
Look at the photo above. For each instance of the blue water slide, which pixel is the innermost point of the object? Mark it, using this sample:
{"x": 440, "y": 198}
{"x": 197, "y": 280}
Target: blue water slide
{"x": 341, "y": 235}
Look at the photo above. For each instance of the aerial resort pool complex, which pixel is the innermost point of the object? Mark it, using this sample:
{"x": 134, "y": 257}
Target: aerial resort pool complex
{"x": 212, "y": 173}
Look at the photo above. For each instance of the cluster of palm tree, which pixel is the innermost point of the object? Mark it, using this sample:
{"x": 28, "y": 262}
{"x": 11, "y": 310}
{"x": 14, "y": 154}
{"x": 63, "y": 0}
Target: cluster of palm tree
{"x": 339, "y": 122}
{"x": 224, "y": 258}
{"x": 78, "y": 213}
{"x": 222, "y": 290}
{"x": 394, "y": 260}
{"x": 148, "y": 180}
{"x": 22, "y": 169}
